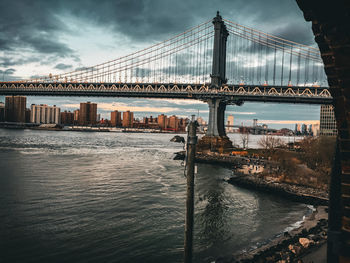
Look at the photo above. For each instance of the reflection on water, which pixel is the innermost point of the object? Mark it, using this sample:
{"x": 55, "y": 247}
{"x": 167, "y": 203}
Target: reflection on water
{"x": 211, "y": 213}
{"x": 116, "y": 197}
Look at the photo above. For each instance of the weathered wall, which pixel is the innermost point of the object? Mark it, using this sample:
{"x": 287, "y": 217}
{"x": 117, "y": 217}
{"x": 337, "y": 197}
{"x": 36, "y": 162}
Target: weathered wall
{"x": 331, "y": 27}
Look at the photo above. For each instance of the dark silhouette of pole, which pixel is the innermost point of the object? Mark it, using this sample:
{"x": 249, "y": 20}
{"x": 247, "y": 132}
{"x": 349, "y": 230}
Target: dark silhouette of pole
{"x": 191, "y": 152}
{"x": 334, "y": 210}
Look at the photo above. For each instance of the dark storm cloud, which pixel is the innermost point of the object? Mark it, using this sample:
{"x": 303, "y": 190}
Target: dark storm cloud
{"x": 62, "y": 66}
{"x": 295, "y": 32}
{"x": 12, "y": 61}
{"x": 36, "y": 25}
{"x": 30, "y": 26}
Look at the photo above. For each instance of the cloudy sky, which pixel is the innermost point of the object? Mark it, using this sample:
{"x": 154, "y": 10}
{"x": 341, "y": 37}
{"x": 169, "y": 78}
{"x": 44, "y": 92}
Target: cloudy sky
{"x": 39, "y": 37}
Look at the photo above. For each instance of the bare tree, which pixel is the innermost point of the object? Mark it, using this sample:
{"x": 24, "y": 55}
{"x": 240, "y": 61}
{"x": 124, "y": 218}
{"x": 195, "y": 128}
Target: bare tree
{"x": 270, "y": 143}
{"x": 245, "y": 139}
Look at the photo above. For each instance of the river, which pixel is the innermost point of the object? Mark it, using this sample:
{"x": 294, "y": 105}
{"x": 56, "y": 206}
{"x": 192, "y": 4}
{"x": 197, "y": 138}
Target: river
{"x": 120, "y": 197}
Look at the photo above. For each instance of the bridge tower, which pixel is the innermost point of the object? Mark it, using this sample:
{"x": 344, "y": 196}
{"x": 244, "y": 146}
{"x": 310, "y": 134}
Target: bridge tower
{"x": 215, "y": 138}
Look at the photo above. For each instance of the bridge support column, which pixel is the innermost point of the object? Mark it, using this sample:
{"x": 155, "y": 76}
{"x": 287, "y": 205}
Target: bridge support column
{"x": 215, "y": 138}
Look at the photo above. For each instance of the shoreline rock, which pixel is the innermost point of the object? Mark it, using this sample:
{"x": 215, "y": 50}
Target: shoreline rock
{"x": 296, "y": 193}
{"x": 292, "y": 246}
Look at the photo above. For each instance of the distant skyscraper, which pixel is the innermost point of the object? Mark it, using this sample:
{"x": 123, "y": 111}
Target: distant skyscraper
{"x": 15, "y": 108}
{"x": 2, "y": 112}
{"x": 128, "y": 119}
{"x": 255, "y": 122}
{"x": 45, "y": 114}
{"x": 174, "y": 123}
{"x": 67, "y": 118}
{"x": 88, "y": 113}
{"x": 116, "y": 118}
{"x": 315, "y": 129}
{"x": 28, "y": 114}
{"x": 304, "y": 129}
{"x": 76, "y": 117}
{"x": 328, "y": 124}
{"x": 230, "y": 120}
{"x": 162, "y": 121}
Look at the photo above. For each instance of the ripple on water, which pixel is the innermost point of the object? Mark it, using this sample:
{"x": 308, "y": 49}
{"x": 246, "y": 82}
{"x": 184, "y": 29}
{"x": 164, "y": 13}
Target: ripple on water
{"x": 78, "y": 197}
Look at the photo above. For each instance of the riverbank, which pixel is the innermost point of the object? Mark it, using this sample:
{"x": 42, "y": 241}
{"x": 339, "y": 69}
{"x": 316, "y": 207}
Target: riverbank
{"x": 293, "y": 192}
{"x": 293, "y": 245}
{"x": 303, "y": 238}
{"x": 217, "y": 159}
{"x": 57, "y": 127}
{"x": 260, "y": 182}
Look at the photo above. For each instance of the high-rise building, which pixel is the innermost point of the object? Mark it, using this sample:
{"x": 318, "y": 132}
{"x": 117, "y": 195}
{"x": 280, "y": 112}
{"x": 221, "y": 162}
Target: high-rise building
{"x": 255, "y": 122}
{"x": 2, "y": 112}
{"x": 67, "y": 117}
{"x": 116, "y": 118}
{"x": 28, "y": 113}
{"x": 328, "y": 125}
{"x": 230, "y": 120}
{"x": 162, "y": 121}
{"x": 152, "y": 120}
{"x": 88, "y": 113}
{"x": 45, "y": 114}
{"x": 15, "y": 108}
{"x": 297, "y": 128}
{"x": 315, "y": 129}
{"x": 304, "y": 129}
{"x": 174, "y": 123}
{"x": 76, "y": 116}
{"x": 128, "y": 119}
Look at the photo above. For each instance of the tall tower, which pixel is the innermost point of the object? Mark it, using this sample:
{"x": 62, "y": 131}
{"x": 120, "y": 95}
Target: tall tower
{"x": 215, "y": 138}
{"x": 218, "y": 76}
{"x": 15, "y": 108}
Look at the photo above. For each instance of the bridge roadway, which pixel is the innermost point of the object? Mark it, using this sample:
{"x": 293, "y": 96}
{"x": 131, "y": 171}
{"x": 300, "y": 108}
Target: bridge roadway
{"x": 230, "y": 94}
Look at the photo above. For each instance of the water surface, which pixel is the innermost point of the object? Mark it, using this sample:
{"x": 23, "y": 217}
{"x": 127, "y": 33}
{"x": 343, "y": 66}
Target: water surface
{"x": 119, "y": 197}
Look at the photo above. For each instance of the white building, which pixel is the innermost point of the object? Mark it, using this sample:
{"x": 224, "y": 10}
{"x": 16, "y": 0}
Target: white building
{"x": 45, "y": 114}
{"x": 315, "y": 129}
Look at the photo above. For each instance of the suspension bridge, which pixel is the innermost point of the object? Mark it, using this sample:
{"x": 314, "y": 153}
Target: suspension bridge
{"x": 224, "y": 64}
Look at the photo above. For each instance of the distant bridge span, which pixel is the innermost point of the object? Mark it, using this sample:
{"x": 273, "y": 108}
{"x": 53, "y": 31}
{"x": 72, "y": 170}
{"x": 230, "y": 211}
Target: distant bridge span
{"x": 231, "y": 94}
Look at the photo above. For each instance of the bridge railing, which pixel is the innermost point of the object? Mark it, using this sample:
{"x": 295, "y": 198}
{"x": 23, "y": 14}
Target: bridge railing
{"x": 185, "y": 89}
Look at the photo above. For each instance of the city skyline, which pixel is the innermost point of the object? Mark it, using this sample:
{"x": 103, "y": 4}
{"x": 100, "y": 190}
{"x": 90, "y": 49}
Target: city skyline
{"x": 185, "y": 109}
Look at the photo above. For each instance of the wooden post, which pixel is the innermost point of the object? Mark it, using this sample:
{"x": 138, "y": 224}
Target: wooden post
{"x": 191, "y": 151}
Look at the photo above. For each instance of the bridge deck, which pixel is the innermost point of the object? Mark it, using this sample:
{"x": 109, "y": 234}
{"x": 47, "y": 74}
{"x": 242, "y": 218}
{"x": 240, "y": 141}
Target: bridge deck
{"x": 233, "y": 94}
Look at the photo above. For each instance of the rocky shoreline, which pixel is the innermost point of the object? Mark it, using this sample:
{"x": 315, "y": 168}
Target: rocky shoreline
{"x": 293, "y": 192}
{"x": 258, "y": 182}
{"x": 292, "y": 246}
{"x": 221, "y": 160}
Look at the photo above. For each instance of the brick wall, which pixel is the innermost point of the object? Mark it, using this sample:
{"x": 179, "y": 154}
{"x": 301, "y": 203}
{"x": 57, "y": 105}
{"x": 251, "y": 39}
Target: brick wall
{"x": 331, "y": 27}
